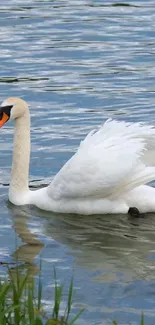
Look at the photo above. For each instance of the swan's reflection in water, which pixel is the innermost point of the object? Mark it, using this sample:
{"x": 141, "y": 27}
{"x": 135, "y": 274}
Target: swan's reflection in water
{"x": 31, "y": 244}
{"x": 114, "y": 245}
{"x": 118, "y": 247}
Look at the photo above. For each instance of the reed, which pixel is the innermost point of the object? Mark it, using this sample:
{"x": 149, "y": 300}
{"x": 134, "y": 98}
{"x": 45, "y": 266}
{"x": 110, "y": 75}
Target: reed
{"x": 21, "y": 302}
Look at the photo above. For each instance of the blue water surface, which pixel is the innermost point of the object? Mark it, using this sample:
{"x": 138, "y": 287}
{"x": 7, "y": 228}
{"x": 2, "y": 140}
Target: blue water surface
{"x": 77, "y": 63}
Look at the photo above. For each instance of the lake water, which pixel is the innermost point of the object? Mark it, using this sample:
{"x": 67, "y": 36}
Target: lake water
{"x": 77, "y": 63}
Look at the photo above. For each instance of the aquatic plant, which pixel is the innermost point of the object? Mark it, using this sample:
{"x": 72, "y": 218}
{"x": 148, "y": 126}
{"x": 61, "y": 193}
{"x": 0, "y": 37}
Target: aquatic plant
{"x": 141, "y": 320}
{"x": 21, "y": 302}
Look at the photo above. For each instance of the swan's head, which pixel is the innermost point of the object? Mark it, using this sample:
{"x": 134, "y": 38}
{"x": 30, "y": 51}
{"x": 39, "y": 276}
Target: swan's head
{"x": 12, "y": 108}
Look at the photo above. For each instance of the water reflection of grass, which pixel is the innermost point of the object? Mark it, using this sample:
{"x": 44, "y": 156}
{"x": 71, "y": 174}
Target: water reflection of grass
{"x": 21, "y": 302}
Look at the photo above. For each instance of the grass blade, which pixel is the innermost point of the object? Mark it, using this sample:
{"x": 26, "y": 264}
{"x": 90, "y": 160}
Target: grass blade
{"x": 57, "y": 297}
{"x": 142, "y": 319}
{"x": 39, "y": 293}
{"x": 76, "y": 317}
{"x": 70, "y": 299}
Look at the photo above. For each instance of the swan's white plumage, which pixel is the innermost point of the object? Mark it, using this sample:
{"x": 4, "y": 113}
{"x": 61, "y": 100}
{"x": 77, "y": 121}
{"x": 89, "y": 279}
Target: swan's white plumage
{"x": 108, "y": 162}
{"x": 107, "y": 174}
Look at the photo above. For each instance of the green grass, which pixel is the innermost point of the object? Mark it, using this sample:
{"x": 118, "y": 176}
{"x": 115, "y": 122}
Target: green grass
{"x": 141, "y": 320}
{"x": 21, "y": 302}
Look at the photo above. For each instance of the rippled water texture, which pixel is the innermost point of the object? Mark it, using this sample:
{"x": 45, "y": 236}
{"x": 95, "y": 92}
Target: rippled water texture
{"x": 77, "y": 63}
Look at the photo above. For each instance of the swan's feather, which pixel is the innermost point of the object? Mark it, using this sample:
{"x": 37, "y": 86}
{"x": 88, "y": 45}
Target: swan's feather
{"x": 109, "y": 162}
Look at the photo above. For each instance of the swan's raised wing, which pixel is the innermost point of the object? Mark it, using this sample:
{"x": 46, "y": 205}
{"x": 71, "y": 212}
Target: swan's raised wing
{"x": 136, "y": 130}
{"x": 107, "y": 163}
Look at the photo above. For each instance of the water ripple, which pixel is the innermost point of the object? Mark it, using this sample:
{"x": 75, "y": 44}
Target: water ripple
{"x": 77, "y": 63}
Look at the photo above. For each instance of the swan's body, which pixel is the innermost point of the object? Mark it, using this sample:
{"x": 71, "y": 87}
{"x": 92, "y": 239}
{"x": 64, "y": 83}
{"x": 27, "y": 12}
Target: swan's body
{"x": 107, "y": 174}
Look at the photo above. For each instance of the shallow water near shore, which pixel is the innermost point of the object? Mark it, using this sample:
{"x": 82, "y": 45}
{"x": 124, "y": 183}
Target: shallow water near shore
{"x": 78, "y": 63}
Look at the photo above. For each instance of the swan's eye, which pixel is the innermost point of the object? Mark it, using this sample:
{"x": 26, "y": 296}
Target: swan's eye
{"x": 5, "y": 112}
{"x": 5, "y": 109}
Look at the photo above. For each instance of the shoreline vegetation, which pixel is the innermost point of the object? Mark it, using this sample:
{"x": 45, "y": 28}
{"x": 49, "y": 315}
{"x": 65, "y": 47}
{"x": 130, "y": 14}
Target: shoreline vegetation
{"x": 21, "y": 302}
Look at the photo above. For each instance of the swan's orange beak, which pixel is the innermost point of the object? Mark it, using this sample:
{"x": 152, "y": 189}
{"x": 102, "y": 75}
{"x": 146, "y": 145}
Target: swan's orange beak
{"x": 4, "y": 119}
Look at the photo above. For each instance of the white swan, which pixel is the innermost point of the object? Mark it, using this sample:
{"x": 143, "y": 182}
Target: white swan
{"x": 106, "y": 175}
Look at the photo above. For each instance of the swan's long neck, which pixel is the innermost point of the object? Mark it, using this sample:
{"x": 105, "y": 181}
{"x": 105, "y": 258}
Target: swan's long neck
{"x": 21, "y": 158}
